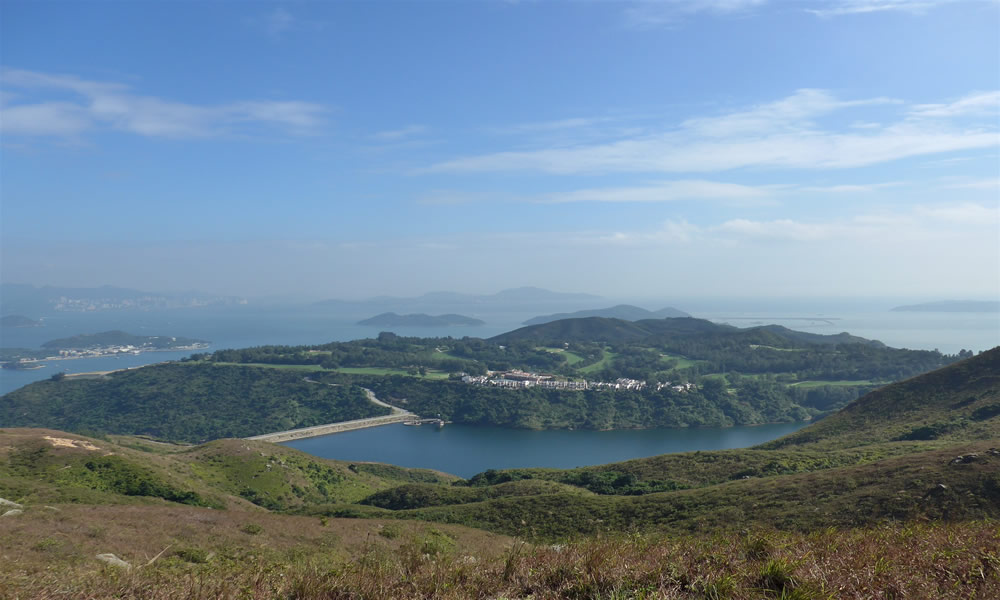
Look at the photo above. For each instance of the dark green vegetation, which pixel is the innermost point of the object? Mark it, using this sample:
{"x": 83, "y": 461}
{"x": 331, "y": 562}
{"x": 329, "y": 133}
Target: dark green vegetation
{"x": 871, "y": 462}
{"x": 537, "y": 408}
{"x": 741, "y": 377}
{"x": 391, "y": 319}
{"x": 18, "y": 321}
{"x": 120, "y": 338}
{"x": 187, "y": 402}
{"x": 898, "y": 495}
{"x": 40, "y": 466}
{"x": 953, "y": 306}
{"x": 625, "y": 312}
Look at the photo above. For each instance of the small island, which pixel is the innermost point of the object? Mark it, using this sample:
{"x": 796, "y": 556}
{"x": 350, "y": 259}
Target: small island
{"x": 18, "y": 321}
{"x": 391, "y": 319}
{"x": 95, "y": 345}
{"x": 959, "y": 306}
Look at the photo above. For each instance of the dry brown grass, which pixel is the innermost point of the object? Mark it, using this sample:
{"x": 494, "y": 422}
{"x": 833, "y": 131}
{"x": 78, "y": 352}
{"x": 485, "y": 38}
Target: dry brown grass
{"x": 49, "y": 554}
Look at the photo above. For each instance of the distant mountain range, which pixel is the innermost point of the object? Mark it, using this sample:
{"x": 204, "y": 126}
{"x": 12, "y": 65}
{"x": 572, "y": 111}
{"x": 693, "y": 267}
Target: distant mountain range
{"x": 16, "y": 297}
{"x": 976, "y": 306}
{"x": 391, "y": 319}
{"x": 626, "y": 312}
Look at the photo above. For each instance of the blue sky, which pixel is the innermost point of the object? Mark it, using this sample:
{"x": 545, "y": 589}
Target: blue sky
{"x": 641, "y": 149}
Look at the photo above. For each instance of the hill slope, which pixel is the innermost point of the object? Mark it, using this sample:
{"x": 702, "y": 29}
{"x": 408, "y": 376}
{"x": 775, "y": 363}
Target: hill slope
{"x": 626, "y": 312}
{"x": 188, "y": 402}
{"x": 955, "y": 403}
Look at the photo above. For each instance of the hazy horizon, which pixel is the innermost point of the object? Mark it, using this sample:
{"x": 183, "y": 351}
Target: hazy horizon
{"x": 632, "y": 150}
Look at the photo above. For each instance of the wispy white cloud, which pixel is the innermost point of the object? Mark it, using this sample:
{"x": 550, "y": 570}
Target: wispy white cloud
{"x": 979, "y": 184}
{"x": 402, "y": 133}
{"x": 278, "y": 22}
{"x": 966, "y": 213}
{"x": 781, "y": 134}
{"x": 661, "y": 13}
{"x": 926, "y": 222}
{"x": 832, "y": 8}
{"x": 667, "y": 13}
{"x": 667, "y": 191}
{"x": 977, "y": 104}
{"x": 95, "y": 105}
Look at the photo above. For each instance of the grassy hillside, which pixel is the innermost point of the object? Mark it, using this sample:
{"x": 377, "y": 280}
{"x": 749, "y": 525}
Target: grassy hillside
{"x": 46, "y": 466}
{"x": 957, "y": 403}
{"x": 922, "y": 486}
{"x": 896, "y": 496}
{"x": 863, "y": 465}
{"x": 197, "y": 553}
{"x": 188, "y": 402}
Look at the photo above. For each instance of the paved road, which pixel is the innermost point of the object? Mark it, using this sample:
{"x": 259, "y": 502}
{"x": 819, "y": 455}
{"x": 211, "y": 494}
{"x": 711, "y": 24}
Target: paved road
{"x": 398, "y": 415}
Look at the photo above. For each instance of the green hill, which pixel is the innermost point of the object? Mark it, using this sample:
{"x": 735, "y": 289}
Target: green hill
{"x": 877, "y": 500}
{"x": 957, "y": 403}
{"x": 871, "y": 462}
{"x": 185, "y": 402}
{"x": 617, "y": 330}
{"x": 625, "y": 312}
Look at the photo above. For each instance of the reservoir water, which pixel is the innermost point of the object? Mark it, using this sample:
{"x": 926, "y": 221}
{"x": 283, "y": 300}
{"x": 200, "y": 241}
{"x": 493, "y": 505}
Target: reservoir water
{"x": 464, "y": 450}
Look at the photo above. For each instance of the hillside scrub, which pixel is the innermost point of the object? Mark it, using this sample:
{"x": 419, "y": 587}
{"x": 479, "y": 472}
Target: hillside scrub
{"x": 918, "y": 562}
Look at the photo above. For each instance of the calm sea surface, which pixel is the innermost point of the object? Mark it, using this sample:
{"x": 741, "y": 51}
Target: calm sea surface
{"x": 464, "y": 450}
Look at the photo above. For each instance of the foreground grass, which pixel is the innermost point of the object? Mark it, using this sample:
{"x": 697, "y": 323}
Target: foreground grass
{"x": 333, "y": 560}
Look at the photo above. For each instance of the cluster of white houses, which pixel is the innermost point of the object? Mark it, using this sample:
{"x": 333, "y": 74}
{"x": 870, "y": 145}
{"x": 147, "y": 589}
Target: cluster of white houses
{"x": 522, "y": 379}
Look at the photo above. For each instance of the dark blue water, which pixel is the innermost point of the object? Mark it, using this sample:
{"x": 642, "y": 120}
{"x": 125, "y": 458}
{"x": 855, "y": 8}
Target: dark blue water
{"x": 465, "y": 451}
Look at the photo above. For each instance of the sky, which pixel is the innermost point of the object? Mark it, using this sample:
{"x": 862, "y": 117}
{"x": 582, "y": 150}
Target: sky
{"x": 754, "y": 148}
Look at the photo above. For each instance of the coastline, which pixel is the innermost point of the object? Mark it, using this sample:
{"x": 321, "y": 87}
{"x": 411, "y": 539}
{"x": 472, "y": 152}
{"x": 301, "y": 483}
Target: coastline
{"x": 111, "y": 354}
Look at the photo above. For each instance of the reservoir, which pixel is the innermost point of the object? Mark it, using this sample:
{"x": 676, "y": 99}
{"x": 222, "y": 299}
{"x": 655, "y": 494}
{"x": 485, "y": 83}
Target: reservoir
{"x": 465, "y": 450}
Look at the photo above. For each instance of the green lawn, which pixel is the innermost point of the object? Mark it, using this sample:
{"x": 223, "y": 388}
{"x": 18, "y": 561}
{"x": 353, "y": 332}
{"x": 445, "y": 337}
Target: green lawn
{"x": 431, "y": 374}
{"x": 812, "y": 384}
{"x": 571, "y": 358}
{"x": 682, "y": 362}
{"x": 597, "y": 366}
{"x": 310, "y": 368}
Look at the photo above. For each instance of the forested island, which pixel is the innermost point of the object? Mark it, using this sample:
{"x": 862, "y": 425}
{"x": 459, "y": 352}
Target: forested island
{"x": 391, "y": 319}
{"x": 591, "y": 373}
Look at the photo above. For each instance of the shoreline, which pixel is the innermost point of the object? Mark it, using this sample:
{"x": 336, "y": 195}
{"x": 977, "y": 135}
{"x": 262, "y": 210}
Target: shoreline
{"x": 110, "y": 354}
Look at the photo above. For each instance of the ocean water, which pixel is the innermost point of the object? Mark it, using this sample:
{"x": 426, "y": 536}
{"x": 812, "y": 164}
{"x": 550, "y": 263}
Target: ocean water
{"x": 243, "y": 327}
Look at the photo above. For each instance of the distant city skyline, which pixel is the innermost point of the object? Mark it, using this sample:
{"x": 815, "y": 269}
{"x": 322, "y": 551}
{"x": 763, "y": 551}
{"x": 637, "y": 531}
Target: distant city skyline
{"x": 630, "y": 149}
